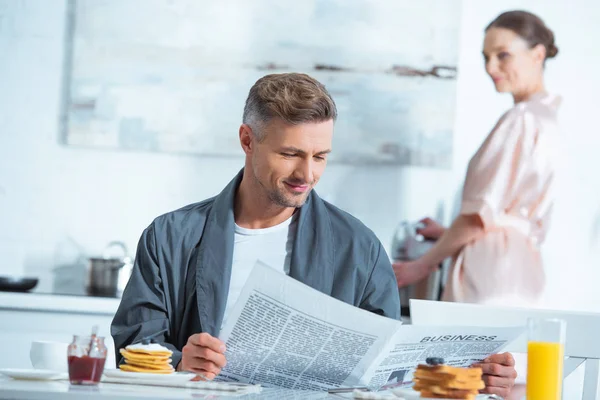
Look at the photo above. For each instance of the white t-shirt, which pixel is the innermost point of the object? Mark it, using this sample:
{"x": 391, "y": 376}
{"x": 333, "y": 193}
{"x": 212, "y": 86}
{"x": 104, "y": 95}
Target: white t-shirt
{"x": 272, "y": 246}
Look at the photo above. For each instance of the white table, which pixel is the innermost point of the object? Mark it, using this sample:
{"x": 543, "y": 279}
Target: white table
{"x": 61, "y": 390}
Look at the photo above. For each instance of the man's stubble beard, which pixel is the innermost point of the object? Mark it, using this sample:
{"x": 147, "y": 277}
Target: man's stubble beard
{"x": 280, "y": 199}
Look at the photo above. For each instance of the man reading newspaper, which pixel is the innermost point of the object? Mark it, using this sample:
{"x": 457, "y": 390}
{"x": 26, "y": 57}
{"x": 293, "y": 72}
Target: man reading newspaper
{"x": 191, "y": 264}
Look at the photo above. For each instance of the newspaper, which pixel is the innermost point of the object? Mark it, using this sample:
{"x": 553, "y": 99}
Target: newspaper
{"x": 282, "y": 333}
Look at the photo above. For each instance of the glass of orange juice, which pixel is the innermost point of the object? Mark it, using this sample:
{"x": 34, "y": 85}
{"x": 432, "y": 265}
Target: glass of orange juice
{"x": 545, "y": 356}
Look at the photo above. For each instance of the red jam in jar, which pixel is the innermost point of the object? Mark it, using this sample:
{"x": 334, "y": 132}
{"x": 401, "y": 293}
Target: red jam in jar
{"x": 86, "y": 357}
{"x": 85, "y": 370}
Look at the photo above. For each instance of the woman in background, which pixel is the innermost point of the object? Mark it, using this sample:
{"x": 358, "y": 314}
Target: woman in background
{"x": 507, "y": 196}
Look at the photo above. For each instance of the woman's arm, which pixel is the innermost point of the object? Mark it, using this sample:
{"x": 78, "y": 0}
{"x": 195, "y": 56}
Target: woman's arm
{"x": 464, "y": 229}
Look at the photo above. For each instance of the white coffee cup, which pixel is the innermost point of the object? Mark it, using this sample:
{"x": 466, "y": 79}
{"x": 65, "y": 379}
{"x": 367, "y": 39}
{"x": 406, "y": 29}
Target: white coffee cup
{"x": 49, "y": 355}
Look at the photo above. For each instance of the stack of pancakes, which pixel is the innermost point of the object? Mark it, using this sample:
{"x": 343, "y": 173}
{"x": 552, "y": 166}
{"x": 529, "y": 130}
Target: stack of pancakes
{"x": 443, "y": 381}
{"x": 149, "y": 358}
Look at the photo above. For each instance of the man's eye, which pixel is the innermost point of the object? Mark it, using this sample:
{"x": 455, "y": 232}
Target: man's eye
{"x": 287, "y": 154}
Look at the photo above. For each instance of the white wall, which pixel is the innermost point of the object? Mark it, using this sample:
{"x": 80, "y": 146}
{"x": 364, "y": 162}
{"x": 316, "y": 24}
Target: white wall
{"x": 572, "y": 249}
{"x": 57, "y": 201}
{"x": 51, "y": 195}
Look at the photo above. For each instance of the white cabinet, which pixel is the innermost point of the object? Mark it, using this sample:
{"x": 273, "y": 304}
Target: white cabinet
{"x": 26, "y": 317}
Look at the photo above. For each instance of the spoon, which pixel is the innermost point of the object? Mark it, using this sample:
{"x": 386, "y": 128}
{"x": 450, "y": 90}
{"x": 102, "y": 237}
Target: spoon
{"x": 92, "y": 339}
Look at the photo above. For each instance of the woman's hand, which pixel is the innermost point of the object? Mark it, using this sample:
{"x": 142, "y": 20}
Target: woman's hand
{"x": 409, "y": 272}
{"x": 431, "y": 230}
{"x": 463, "y": 230}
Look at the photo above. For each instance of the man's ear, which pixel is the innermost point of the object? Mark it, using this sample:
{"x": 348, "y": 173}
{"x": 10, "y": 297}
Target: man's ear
{"x": 246, "y": 138}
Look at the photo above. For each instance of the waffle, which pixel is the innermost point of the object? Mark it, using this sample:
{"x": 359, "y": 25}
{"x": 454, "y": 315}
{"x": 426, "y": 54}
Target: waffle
{"x": 446, "y": 382}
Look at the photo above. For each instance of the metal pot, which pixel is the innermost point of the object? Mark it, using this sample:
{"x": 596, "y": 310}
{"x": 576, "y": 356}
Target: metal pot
{"x": 107, "y": 276}
{"x": 407, "y": 245}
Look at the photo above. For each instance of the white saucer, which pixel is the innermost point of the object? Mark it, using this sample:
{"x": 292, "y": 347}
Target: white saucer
{"x": 34, "y": 374}
{"x": 142, "y": 376}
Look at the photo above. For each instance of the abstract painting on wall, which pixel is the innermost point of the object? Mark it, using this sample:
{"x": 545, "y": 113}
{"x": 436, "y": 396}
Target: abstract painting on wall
{"x": 172, "y": 76}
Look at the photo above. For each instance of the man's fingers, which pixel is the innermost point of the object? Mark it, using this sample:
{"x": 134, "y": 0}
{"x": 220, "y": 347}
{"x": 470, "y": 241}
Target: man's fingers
{"x": 206, "y": 340}
{"x": 497, "y": 381}
{"x": 203, "y": 376}
{"x": 497, "y": 370}
{"x": 203, "y": 355}
{"x": 207, "y": 354}
{"x": 196, "y": 356}
{"x": 196, "y": 364}
{"x": 501, "y": 358}
{"x": 209, "y": 371}
{"x": 207, "y": 366}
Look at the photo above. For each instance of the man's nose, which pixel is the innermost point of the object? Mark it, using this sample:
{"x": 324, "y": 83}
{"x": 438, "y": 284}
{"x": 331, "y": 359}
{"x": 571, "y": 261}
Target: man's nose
{"x": 305, "y": 170}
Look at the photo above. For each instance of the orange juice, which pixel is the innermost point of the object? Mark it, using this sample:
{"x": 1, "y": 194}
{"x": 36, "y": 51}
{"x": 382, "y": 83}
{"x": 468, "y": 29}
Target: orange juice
{"x": 544, "y": 370}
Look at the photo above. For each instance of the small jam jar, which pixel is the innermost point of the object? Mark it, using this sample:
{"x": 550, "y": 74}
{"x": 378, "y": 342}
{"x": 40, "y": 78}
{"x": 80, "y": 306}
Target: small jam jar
{"x": 86, "y": 358}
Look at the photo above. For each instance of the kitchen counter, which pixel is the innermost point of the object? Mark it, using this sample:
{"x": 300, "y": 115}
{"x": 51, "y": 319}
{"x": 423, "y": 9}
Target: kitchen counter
{"x": 58, "y": 303}
{"x": 27, "y": 317}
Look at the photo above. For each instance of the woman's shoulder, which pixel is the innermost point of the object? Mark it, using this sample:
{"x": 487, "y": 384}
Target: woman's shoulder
{"x": 512, "y": 118}
{"x": 530, "y": 113}
{"x": 540, "y": 104}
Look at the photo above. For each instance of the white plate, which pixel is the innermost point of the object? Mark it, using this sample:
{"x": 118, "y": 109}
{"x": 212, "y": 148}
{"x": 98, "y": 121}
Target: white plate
{"x": 142, "y": 376}
{"x": 34, "y": 374}
{"x": 410, "y": 394}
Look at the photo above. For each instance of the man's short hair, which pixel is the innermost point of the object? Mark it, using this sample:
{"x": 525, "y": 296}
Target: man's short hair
{"x": 294, "y": 98}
